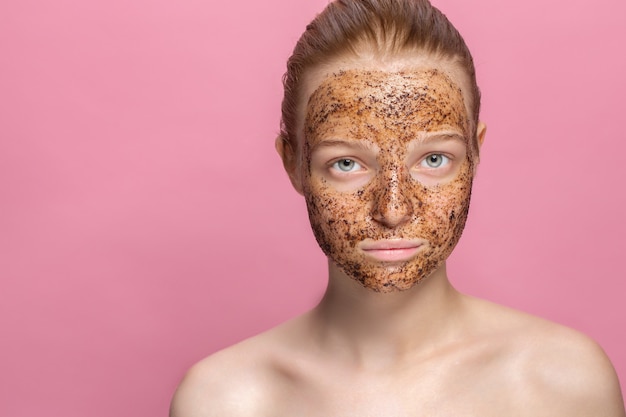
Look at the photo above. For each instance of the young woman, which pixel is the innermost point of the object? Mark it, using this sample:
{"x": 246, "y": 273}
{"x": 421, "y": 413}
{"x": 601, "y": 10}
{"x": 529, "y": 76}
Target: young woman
{"x": 381, "y": 135}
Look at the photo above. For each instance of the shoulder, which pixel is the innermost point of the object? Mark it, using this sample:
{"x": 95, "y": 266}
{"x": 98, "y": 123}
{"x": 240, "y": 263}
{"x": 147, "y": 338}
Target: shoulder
{"x": 242, "y": 380}
{"x": 554, "y": 367}
{"x": 225, "y": 383}
{"x": 565, "y": 364}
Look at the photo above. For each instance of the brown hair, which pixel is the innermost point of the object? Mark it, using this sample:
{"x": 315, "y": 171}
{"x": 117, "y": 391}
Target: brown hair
{"x": 390, "y": 26}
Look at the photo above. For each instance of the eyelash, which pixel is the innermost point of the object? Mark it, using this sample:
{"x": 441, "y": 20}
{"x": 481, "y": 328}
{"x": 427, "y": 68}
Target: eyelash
{"x": 444, "y": 162}
{"x": 336, "y": 165}
{"x": 356, "y": 166}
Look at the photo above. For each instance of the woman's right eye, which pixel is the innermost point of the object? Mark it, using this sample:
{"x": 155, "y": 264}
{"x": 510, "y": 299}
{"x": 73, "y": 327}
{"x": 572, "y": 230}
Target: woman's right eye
{"x": 346, "y": 165}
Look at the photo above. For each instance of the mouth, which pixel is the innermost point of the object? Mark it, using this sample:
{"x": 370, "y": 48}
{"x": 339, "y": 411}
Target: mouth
{"x": 392, "y": 250}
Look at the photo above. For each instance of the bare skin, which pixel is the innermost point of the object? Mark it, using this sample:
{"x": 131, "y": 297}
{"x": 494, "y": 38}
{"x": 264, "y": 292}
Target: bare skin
{"x": 393, "y": 337}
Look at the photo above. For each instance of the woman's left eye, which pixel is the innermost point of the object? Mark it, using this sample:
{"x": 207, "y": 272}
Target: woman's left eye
{"x": 435, "y": 160}
{"x": 346, "y": 165}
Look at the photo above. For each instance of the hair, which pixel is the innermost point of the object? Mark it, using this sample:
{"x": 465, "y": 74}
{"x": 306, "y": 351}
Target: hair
{"x": 384, "y": 26}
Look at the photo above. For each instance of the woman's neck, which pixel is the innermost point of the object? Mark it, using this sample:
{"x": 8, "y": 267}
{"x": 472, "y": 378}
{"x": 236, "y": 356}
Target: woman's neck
{"x": 376, "y": 329}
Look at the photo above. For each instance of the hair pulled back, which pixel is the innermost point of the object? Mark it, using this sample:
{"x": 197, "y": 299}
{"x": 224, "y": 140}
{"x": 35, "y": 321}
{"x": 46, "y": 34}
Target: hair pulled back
{"x": 388, "y": 26}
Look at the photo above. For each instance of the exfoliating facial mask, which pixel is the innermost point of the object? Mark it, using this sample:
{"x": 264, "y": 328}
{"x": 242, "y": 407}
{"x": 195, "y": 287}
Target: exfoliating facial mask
{"x": 387, "y": 173}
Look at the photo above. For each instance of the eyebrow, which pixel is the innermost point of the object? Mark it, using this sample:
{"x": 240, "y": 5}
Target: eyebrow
{"x": 425, "y": 137}
{"x": 436, "y": 136}
{"x": 358, "y": 144}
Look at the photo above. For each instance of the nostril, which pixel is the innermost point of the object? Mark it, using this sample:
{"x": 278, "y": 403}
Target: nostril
{"x": 392, "y": 207}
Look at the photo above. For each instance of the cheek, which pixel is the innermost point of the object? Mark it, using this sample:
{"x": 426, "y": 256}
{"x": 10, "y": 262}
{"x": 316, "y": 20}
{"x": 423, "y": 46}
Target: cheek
{"x": 445, "y": 208}
{"x": 337, "y": 218}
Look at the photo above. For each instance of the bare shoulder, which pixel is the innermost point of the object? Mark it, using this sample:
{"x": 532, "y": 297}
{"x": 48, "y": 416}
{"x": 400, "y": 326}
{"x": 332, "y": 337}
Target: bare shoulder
{"x": 571, "y": 366}
{"x": 242, "y": 380}
{"x": 225, "y": 383}
{"x": 556, "y": 368}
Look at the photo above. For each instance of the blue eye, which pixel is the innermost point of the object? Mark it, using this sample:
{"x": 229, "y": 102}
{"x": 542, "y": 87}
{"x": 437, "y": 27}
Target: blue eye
{"x": 435, "y": 160}
{"x": 346, "y": 165}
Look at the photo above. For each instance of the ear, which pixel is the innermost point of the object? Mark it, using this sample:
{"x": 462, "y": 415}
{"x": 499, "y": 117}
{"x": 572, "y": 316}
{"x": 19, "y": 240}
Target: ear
{"x": 481, "y": 130}
{"x": 290, "y": 162}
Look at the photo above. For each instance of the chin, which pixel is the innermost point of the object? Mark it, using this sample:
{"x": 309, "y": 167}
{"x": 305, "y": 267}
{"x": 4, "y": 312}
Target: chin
{"x": 389, "y": 283}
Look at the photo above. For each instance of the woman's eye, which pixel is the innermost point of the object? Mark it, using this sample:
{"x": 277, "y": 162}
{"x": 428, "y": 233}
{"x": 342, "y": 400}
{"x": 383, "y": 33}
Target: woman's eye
{"x": 346, "y": 165}
{"x": 435, "y": 160}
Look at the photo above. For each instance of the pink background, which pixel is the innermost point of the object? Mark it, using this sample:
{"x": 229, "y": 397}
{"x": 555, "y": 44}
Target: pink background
{"x": 145, "y": 221}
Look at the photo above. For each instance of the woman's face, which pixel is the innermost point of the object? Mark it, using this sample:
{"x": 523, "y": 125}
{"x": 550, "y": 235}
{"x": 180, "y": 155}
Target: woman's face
{"x": 387, "y": 171}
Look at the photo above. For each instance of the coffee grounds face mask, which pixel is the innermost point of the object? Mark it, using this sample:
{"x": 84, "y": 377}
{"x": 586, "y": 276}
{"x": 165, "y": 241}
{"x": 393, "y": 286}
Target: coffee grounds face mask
{"x": 387, "y": 173}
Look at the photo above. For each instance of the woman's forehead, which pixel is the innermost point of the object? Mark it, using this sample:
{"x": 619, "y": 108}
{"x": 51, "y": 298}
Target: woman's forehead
{"x": 418, "y": 71}
{"x": 375, "y": 84}
{"x": 401, "y": 104}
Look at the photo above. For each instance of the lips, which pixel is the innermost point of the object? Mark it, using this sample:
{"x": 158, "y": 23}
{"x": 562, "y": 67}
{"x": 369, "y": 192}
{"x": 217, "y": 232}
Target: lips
{"x": 392, "y": 250}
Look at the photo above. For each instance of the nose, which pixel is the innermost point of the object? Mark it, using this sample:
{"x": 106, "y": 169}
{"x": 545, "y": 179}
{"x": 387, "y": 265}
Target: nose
{"x": 392, "y": 206}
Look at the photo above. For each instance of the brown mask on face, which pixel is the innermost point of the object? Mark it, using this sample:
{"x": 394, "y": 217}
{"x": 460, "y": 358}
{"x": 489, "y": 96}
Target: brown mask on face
{"x": 371, "y": 141}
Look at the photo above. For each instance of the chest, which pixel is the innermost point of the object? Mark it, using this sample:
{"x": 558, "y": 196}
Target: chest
{"x": 438, "y": 393}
